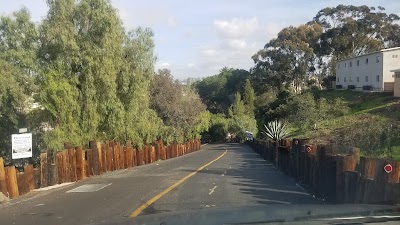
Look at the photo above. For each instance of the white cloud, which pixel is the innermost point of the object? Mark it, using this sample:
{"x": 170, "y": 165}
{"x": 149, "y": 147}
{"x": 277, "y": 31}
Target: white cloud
{"x": 232, "y": 51}
{"x": 209, "y": 64}
{"x": 236, "y": 28}
{"x": 172, "y": 21}
{"x": 208, "y": 52}
{"x": 163, "y": 65}
{"x": 237, "y": 43}
{"x": 134, "y": 15}
{"x": 271, "y": 30}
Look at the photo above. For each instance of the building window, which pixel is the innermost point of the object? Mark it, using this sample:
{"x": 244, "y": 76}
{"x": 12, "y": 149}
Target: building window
{"x": 345, "y": 79}
{"x": 366, "y": 61}
{"x": 350, "y": 64}
{"x": 394, "y": 56}
{"x": 377, "y": 78}
{"x": 377, "y": 59}
{"x": 358, "y": 79}
{"x": 338, "y": 65}
{"x": 358, "y": 62}
{"x": 338, "y": 79}
{"x": 345, "y": 65}
{"x": 366, "y": 78}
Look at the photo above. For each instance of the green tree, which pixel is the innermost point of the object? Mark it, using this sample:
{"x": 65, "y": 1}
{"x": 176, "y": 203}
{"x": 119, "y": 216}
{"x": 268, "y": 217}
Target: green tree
{"x": 249, "y": 97}
{"x": 218, "y": 129}
{"x": 105, "y": 75}
{"x": 133, "y": 86}
{"x": 19, "y": 43}
{"x": 352, "y": 31}
{"x": 12, "y": 103}
{"x": 18, "y": 46}
{"x": 303, "y": 111}
{"x": 237, "y": 108}
{"x": 178, "y": 105}
{"x": 239, "y": 120}
{"x": 217, "y": 91}
{"x": 289, "y": 58}
{"x": 59, "y": 76}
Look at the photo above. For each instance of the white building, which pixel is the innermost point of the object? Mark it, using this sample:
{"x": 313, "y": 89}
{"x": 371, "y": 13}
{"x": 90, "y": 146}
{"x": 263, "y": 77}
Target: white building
{"x": 396, "y": 88}
{"x": 368, "y": 72}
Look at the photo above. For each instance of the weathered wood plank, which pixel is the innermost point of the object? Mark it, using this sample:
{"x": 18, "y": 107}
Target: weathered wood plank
{"x": 104, "y": 149}
{"x": 163, "y": 151}
{"x": 95, "y": 157}
{"x": 351, "y": 180}
{"x": 146, "y": 154}
{"x": 80, "y": 163}
{"x": 30, "y": 180}
{"x": 134, "y": 155}
{"x": 36, "y": 176}
{"x": 23, "y": 187}
{"x": 89, "y": 161}
{"x": 139, "y": 155}
{"x": 11, "y": 180}
{"x": 43, "y": 170}
{"x": 53, "y": 174}
{"x": 121, "y": 156}
{"x": 66, "y": 166}
{"x": 394, "y": 176}
{"x": 152, "y": 154}
{"x": 392, "y": 193}
{"x": 3, "y": 184}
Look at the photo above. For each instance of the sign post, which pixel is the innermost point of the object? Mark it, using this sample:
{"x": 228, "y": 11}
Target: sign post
{"x": 21, "y": 145}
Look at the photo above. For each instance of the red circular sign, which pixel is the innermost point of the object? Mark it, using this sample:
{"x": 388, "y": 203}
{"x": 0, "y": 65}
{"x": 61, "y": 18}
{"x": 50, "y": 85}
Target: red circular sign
{"x": 308, "y": 149}
{"x": 296, "y": 142}
{"x": 388, "y": 168}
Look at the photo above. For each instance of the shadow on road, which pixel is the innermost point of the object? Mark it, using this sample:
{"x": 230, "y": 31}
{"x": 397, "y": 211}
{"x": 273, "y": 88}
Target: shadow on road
{"x": 256, "y": 177}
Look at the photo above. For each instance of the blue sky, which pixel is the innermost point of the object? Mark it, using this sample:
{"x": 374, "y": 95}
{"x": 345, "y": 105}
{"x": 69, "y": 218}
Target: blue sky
{"x": 198, "y": 38}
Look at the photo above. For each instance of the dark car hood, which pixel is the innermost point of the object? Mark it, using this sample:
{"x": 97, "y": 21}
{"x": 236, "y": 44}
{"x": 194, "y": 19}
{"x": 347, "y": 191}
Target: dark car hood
{"x": 266, "y": 214}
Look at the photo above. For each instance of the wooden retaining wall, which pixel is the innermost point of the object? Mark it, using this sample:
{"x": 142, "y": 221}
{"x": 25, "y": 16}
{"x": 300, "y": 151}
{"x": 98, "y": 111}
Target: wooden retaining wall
{"x": 344, "y": 178}
{"x": 74, "y": 164}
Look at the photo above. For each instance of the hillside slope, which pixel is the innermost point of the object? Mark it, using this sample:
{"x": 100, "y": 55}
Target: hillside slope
{"x": 373, "y": 124}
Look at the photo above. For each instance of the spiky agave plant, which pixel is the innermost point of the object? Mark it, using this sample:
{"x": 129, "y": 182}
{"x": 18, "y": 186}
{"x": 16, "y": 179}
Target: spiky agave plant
{"x": 276, "y": 130}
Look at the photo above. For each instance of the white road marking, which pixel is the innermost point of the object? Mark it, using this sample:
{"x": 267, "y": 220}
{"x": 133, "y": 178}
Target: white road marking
{"x": 89, "y": 188}
{"x": 300, "y": 187}
{"x": 283, "y": 202}
{"x": 39, "y": 204}
{"x": 285, "y": 191}
{"x": 53, "y": 186}
{"x": 212, "y": 190}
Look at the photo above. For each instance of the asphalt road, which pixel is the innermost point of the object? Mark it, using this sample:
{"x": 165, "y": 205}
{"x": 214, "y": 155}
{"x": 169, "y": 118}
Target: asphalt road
{"x": 238, "y": 177}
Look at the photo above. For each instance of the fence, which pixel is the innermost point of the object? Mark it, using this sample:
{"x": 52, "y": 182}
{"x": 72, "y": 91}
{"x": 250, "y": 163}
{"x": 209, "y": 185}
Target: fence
{"x": 75, "y": 164}
{"x": 336, "y": 178}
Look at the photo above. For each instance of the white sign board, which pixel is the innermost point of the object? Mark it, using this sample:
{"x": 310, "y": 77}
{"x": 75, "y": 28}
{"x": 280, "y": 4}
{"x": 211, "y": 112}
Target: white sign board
{"x": 21, "y": 145}
{"x": 23, "y": 130}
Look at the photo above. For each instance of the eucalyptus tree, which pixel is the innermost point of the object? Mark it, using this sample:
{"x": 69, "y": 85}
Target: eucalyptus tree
{"x": 18, "y": 46}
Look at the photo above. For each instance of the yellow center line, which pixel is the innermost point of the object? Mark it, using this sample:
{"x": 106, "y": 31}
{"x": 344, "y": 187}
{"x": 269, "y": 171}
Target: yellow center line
{"x": 155, "y": 198}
